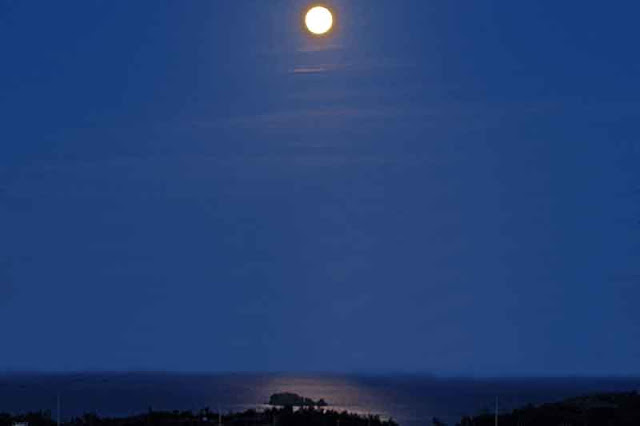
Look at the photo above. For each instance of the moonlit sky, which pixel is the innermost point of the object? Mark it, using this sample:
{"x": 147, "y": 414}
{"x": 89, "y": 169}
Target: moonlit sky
{"x": 438, "y": 186}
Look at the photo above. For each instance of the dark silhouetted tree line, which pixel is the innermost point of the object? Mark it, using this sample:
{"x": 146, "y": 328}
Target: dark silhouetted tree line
{"x": 613, "y": 409}
{"x": 287, "y": 416}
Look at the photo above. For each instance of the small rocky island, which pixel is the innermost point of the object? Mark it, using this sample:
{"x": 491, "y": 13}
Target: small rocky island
{"x": 288, "y": 399}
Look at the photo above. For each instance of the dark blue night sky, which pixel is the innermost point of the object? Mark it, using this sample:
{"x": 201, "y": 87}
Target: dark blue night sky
{"x": 438, "y": 186}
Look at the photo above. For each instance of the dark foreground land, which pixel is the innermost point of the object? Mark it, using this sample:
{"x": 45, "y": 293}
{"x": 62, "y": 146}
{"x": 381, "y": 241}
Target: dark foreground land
{"x": 308, "y": 416}
{"x": 612, "y": 409}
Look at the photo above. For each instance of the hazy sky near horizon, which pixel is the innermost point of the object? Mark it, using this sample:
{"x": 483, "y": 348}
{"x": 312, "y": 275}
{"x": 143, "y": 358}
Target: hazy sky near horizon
{"x": 440, "y": 186}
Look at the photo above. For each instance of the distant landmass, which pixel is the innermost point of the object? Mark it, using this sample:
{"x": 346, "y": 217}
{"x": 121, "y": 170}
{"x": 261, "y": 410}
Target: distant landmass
{"x": 288, "y": 399}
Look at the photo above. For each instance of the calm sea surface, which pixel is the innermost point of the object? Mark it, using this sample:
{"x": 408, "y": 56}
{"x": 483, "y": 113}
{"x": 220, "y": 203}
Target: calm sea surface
{"x": 411, "y": 400}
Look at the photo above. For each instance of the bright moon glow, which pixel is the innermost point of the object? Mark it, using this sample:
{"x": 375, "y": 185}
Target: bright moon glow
{"x": 319, "y": 20}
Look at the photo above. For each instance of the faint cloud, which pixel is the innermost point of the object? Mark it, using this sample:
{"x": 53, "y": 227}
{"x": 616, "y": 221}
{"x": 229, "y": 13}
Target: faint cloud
{"x": 366, "y": 66}
{"x": 313, "y": 70}
{"x": 320, "y": 48}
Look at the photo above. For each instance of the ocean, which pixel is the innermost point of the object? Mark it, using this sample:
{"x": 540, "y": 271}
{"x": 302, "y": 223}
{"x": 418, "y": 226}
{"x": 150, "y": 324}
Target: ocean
{"x": 410, "y": 400}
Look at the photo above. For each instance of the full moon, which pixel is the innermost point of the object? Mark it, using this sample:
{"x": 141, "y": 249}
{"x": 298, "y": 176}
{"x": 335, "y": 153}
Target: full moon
{"x": 319, "y": 20}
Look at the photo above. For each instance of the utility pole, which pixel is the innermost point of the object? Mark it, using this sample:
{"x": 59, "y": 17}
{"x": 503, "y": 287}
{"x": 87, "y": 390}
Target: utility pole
{"x": 496, "y": 412}
{"x": 58, "y": 407}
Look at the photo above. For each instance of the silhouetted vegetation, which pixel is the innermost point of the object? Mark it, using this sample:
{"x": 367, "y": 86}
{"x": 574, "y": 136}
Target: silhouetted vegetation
{"x": 612, "y": 409}
{"x": 308, "y": 416}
